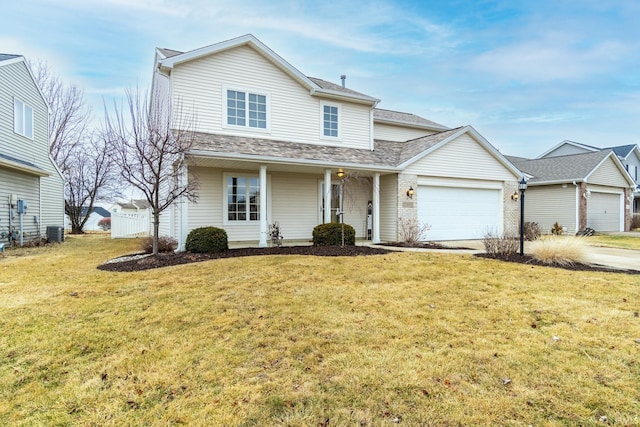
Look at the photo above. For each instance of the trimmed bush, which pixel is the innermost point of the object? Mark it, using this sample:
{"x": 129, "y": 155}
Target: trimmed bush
{"x": 559, "y": 250}
{"x": 207, "y": 240}
{"x": 165, "y": 244}
{"x": 105, "y": 224}
{"x": 331, "y": 234}
{"x": 532, "y": 231}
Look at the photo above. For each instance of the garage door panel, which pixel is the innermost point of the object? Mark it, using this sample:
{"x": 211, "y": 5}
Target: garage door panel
{"x": 455, "y": 213}
{"x": 603, "y": 212}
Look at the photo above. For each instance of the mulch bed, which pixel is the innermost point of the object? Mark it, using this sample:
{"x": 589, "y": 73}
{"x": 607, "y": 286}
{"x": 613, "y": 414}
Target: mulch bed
{"x": 138, "y": 262}
{"x": 527, "y": 259}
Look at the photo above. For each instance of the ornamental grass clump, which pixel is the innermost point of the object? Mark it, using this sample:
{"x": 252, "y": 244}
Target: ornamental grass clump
{"x": 559, "y": 250}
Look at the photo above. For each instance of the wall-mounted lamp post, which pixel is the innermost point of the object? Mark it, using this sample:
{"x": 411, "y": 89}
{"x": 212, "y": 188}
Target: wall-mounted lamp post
{"x": 410, "y": 192}
{"x": 522, "y": 186}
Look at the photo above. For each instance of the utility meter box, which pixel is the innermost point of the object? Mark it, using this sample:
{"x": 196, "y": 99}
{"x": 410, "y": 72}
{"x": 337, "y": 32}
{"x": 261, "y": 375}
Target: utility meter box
{"x": 22, "y": 206}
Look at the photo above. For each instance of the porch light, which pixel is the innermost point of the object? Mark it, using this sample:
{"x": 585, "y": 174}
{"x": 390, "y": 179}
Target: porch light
{"x": 340, "y": 173}
{"x": 522, "y": 186}
{"x": 515, "y": 196}
{"x": 410, "y": 192}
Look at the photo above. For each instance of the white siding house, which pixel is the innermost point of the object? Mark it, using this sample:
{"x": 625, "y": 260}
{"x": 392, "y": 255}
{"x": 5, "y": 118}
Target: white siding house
{"x": 270, "y": 142}
{"x": 28, "y": 175}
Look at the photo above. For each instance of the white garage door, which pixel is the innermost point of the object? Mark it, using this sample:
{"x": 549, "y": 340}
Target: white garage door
{"x": 456, "y": 213}
{"x": 603, "y": 212}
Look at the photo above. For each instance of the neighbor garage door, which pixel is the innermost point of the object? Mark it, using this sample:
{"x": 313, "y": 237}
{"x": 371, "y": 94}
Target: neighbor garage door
{"x": 456, "y": 213}
{"x": 603, "y": 212}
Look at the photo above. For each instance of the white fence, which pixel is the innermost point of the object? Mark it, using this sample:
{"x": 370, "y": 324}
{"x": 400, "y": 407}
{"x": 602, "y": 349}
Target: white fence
{"x": 125, "y": 225}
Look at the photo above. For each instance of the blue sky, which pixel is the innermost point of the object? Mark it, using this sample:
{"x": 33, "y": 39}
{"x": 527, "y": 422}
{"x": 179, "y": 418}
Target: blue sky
{"x": 525, "y": 74}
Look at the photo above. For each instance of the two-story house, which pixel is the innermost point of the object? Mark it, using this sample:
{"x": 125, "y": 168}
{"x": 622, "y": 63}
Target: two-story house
{"x": 273, "y": 144}
{"x": 31, "y": 186}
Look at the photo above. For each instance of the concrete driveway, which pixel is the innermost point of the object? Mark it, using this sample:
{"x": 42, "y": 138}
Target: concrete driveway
{"x": 610, "y": 257}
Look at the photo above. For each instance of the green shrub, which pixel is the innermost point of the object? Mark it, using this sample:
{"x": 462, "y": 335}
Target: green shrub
{"x": 532, "y": 231}
{"x": 331, "y": 234}
{"x": 207, "y": 239}
{"x": 165, "y": 244}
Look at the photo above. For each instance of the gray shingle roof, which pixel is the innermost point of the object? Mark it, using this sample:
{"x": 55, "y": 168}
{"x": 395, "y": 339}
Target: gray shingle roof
{"x": 622, "y": 150}
{"x": 6, "y": 56}
{"x": 168, "y": 53}
{"x": 388, "y": 154}
{"x": 22, "y": 162}
{"x": 337, "y": 88}
{"x": 405, "y": 118}
{"x": 575, "y": 167}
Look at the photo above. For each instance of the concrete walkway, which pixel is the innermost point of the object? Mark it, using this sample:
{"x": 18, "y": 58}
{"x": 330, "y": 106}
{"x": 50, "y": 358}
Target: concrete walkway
{"x": 627, "y": 259}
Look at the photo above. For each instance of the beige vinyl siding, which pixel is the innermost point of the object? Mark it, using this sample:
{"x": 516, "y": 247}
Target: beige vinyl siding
{"x": 47, "y": 203}
{"x": 461, "y": 158}
{"x": 567, "y": 150}
{"x": 549, "y": 204}
{"x": 293, "y": 114}
{"x": 16, "y": 81}
{"x": 25, "y": 187}
{"x": 388, "y": 132}
{"x": 608, "y": 174}
{"x": 52, "y": 201}
{"x": 295, "y": 204}
{"x": 388, "y": 208}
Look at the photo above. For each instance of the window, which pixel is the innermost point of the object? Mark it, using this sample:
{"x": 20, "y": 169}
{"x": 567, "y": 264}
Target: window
{"x": 246, "y": 109}
{"x": 22, "y": 118}
{"x": 330, "y": 121}
{"x": 243, "y": 198}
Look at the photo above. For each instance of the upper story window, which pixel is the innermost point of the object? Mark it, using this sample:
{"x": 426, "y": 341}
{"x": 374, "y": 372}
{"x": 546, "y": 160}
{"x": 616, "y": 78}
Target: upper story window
{"x": 22, "y": 118}
{"x": 246, "y": 109}
{"x": 330, "y": 120}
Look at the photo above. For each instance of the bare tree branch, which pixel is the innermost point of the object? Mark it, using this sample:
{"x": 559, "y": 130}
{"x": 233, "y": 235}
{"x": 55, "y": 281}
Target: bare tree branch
{"x": 152, "y": 152}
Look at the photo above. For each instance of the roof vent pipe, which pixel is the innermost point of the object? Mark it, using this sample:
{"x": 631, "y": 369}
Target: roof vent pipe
{"x": 343, "y": 78}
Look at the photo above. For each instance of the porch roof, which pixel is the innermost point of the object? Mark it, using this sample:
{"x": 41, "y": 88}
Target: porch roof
{"x": 388, "y": 155}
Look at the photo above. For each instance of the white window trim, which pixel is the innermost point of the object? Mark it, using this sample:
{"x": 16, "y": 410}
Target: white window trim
{"x": 225, "y": 199}
{"x": 339, "y": 107}
{"x": 22, "y": 131}
{"x": 246, "y": 127}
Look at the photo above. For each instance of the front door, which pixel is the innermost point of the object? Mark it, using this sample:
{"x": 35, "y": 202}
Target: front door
{"x": 336, "y": 202}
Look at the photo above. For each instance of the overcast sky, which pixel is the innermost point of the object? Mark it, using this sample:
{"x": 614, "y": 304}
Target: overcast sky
{"x": 525, "y": 74}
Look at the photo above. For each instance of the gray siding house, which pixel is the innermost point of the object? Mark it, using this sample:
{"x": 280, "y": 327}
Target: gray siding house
{"x": 31, "y": 186}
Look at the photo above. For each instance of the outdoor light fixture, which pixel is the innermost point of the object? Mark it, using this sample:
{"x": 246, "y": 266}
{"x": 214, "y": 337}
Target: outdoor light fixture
{"x": 410, "y": 192}
{"x": 340, "y": 173}
{"x": 586, "y": 194}
{"x": 515, "y": 196}
{"x": 522, "y": 186}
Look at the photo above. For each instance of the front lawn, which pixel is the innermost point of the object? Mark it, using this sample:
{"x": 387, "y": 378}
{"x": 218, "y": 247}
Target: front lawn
{"x": 401, "y": 338}
{"x": 615, "y": 241}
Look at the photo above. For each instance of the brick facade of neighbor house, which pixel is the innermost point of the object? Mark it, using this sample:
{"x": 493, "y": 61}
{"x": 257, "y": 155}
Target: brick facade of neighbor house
{"x": 582, "y": 223}
{"x": 511, "y": 210}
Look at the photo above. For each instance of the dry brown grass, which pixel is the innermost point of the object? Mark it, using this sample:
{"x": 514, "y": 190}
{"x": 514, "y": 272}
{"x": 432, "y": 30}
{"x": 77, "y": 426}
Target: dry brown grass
{"x": 419, "y": 338}
{"x": 560, "y": 250}
{"x": 615, "y": 241}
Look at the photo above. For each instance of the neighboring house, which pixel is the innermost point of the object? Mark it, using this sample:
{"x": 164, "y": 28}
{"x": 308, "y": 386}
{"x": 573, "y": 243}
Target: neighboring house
{"x": 629, "y": 155}
{"x": 132, "y": 206}
{"x": 28, "y": 175}
{"x": 271, "y": 142}
{"x": 98, "y": 213}
{"x": 577, "y": 191}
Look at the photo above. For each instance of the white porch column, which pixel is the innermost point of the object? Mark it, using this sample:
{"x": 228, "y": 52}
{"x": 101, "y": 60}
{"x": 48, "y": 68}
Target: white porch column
{"x": 183, "y": 208}
{"x": 376, "y": 208}
{"x": 263, "y": 206}
{"x": 327, "y": 196}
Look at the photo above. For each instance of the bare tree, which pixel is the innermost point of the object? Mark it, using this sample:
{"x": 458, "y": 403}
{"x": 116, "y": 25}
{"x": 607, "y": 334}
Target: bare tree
{"x": 152, "y": 152}
{"x": 90, "y": 176}
{"x": 79, "y": 152}
{"x": 69, "y": 116}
